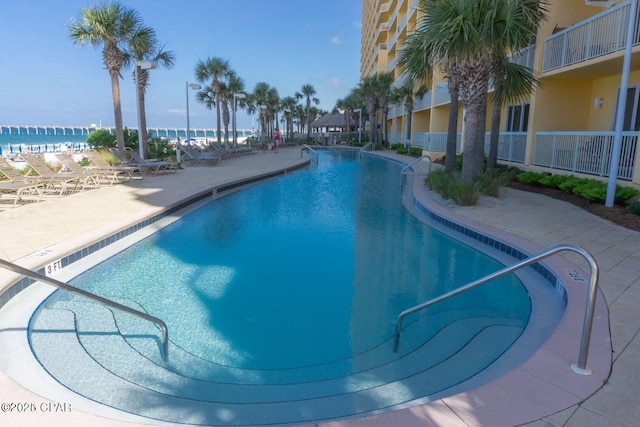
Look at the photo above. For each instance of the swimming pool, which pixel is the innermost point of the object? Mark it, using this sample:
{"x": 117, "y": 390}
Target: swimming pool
{"x": 270, "y": 325}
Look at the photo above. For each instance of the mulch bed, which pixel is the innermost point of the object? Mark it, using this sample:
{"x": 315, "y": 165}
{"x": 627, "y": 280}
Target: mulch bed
{"x": 615, "y": 214}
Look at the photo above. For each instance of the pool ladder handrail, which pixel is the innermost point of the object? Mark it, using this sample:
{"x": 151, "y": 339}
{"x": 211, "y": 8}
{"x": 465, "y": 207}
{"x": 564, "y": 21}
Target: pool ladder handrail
{"x": 367, "y": 145}
{"x": 579, "y": 367}
{"x": 306, "y": 147}
{"x": 58, "y": 284}
{"x": 404, "y": 169}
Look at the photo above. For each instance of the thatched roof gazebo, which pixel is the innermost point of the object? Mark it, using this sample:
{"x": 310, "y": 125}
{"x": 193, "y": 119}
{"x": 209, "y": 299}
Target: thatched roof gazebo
{"x": 333, "y": 122}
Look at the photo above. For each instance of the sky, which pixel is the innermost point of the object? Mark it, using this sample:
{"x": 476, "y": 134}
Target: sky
{"x": 45, "y": 79}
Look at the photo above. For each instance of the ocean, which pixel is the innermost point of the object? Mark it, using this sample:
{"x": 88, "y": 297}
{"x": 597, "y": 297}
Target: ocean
{"x": 13, "y": 139}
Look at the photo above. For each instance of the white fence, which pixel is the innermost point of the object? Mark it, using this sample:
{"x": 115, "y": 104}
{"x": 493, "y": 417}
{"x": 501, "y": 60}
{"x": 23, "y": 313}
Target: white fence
{"x": 585, "y": 152}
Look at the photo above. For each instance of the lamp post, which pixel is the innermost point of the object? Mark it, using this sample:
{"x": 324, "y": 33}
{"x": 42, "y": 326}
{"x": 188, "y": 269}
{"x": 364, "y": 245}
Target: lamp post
{"x": 193, "y": 86}
{"x": 141, "y": 65}
{"x": 236, "y": 96}
{"x": 622, "y": 99}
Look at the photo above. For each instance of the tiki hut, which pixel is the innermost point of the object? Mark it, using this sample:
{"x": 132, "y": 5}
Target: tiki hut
{"x": 333, "y": 122}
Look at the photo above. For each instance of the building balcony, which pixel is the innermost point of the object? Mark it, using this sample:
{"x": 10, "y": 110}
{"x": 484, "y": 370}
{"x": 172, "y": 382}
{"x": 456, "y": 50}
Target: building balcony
{"x": 525, "y": 56}
{"x": 597, "y": 36}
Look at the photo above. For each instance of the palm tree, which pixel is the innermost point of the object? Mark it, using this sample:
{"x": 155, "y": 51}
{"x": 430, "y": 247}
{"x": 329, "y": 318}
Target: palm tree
{"x": 471, "y": 35}
{"x": 147, "y": 50}
{"x": 406, "y": 93}
{"x": 235, "y": 86}
{"x": 417, "y": 58}
{"x": 288, "y": 105}
{"x": 260, "y": 97}
{"x": 513, "y": 83}
{"x": 384, "y": 82}
{"x": 272, "y": 106}
{"x": 307, "y": 92}
{"x": 300, "y": 115}
{"x": 113, "y": 27}
{"x": 349, "y": 104}
{"x": 226, "y": 99}
{"x": 216, "y": 70}
{"x": 369, "y": 92}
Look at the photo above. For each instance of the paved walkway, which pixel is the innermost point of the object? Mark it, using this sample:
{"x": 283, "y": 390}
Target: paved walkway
{"x": 40, "y": 233}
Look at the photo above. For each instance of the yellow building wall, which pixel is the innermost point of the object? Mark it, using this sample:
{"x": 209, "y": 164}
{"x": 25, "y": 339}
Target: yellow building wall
{"x": 440, "y": 118}
{"x": 562, "y": 105}
{"x": 603, "y": 118}
{"x": 420, "y": 121}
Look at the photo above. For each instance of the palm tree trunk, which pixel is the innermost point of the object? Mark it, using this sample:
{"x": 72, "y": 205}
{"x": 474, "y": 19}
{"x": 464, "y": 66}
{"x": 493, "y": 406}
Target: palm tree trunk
{"x": 471, "y": 119}
{"x": 308, "y": 117}
{"x": 474, "y": 79}
{"x": 372, "y": 124}
{"x": 492, "y": 161}
{"x": 216, "y": 95}
{"x": 117, "y": 108}
{"x": 452, "y": 127}
{"x": 478, "y": 165}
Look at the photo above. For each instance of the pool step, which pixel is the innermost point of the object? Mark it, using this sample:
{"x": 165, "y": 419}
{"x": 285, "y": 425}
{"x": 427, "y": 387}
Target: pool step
{"x": 96, "y": 367}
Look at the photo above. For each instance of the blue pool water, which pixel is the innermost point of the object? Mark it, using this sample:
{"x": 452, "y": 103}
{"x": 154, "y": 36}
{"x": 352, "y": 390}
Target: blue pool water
{"x": 285, "y": 292}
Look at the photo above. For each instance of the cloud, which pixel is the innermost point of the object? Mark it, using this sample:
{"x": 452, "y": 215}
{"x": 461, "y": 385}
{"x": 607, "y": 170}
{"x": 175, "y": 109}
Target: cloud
{"x": 334, "y": 83}
{"x": 177, "y": 112}
{"x": 336, "y": 40}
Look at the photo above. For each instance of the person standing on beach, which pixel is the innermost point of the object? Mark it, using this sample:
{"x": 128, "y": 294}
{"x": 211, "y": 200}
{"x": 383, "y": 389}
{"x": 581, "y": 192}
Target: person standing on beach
{"x": 276, "y": 139}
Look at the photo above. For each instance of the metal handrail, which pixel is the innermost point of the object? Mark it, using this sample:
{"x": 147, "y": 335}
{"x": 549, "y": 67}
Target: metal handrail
{"x": 306, "y": 147}
{"x": 58, "y": 284}
{"x": 425, "y": 156}
{"x": 579, "y": 367}
{"x": 368, "y": 144}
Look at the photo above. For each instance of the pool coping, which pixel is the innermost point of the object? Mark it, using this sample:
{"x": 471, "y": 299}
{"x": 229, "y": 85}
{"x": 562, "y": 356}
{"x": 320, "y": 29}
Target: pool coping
{"x": 543, "y": 385}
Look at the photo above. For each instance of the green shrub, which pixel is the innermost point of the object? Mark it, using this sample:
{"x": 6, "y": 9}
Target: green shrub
{"x": 458, "y": 163}
{"x": 401, "y": 150}
{"x": 590, "y": 189}
{"x": 531, "y": 177}
{"x": 397, "y": 146}
{"x": 450, "y": 186}
{"x": 492, "y": 180}
{"x": 553, "y": 181}
{"x": 465, "y": 193}
{"x": 625, "y": 193}
{"x": 440, "y": 182}
{"x": 160, "y": 149}
{"x": 569, "y": 183}
{"x": 415, "y": 151}
{"x": 634, "y": 208}
{"x": 101, "y": 138}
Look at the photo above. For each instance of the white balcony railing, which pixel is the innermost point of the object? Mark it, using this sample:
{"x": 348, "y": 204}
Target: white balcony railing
{"x": 384, "y": 7}
{"x": 511, "y": 146}
{"x": 441, "y": 93}
{"x": 422, "y": 103}
{"x": 434, "y": 141}
{"x": 585, "y": 152}
{"x": 599, "y": 35}
{"x": 525, "y": 56}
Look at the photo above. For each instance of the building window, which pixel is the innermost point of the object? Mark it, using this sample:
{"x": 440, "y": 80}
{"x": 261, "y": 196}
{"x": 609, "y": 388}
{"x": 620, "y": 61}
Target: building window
{"x": 518, "y": 118}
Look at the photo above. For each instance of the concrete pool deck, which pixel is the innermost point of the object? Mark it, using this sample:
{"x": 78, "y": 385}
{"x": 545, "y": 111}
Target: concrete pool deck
{"x": 36, "y": 234}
